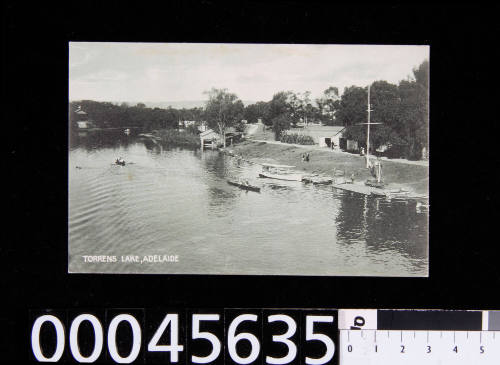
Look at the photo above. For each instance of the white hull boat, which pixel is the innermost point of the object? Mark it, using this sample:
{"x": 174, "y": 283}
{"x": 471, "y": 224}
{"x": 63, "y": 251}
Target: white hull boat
{"x": 286, "y": 177}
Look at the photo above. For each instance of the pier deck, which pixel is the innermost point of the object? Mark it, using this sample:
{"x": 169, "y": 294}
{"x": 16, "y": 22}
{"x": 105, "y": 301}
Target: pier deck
{"x": 360, "y": 189}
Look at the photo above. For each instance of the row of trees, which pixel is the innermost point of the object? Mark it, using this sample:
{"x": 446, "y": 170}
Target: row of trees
{"x": 402, "y": 109}
{"x": 224, "y": 109}
{"x": 297, "y": 106}
{"x": 109, "y": 115}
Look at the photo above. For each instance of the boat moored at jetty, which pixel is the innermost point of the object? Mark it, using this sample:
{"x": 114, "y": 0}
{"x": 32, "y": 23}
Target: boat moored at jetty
{"x": 317, "y": 180}
{"x": 279, "y": 172}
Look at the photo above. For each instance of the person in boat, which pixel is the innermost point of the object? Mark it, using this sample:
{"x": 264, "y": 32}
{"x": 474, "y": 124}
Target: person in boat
{"x": 120, "y": 161}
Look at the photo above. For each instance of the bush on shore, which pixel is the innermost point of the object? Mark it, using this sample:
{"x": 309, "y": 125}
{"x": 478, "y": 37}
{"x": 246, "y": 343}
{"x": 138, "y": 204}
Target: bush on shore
{"x": 181, "y": 138}
{"x": 297, "y": 139}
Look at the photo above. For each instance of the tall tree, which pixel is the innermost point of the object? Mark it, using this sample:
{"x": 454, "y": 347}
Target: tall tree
{"x": 422, "y": 77}
{"x": 223, "y": 110}
{"x": 384, "y": 100}
{"x": 279, "y": 105}
{"x": 328, "y": 104}
{"x": 254, "y": 112}
{"x": 414, "y": 110}
{"x": 280, "y": 112}
{"x": 300, "y": 106}
{"x": 352, "y": 106}
{"x": 281, "y": 123}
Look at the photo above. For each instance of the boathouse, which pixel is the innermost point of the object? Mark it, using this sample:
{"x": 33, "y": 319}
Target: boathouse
{"x": 211, "y": 138}
{"x": 333, "y": 139}
{"x": 81, "y": 119}
{"x": 323, "y": 135}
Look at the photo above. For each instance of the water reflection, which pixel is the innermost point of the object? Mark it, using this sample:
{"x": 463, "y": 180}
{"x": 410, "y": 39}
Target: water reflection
{"x": 382, "y": 224}
{"x": 91, "y": 140}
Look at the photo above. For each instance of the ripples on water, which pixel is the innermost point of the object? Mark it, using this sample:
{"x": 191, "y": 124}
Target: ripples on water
{"x": 177, "y": 202}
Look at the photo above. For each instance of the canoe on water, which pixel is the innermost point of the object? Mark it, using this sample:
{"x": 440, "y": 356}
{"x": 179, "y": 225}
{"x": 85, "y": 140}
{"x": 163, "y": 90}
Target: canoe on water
{"x": 308, "y": 178}
{"x": 324, "y": 181}
{"x": 244, "y": 186}
{"x": 316, "y": 180}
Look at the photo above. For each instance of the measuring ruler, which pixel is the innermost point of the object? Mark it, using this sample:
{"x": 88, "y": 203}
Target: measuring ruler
{"x": 418, "y": 337}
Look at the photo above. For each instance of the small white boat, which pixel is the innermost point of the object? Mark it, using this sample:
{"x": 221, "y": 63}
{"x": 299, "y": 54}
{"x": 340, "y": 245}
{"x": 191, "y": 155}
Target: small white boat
{"x": 279, "y": 172}
{"x": 286, "y": 177}
{"x": 421, "y": 207}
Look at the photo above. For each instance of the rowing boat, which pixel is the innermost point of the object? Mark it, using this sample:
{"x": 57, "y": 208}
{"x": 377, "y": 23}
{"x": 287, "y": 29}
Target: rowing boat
{"x": 317, "y": 180}
{"x": 244, "y": 186}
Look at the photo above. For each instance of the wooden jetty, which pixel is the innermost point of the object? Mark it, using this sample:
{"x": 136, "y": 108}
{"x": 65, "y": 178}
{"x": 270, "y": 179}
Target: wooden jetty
{"x": 360, "y": 189}
{"x": 386, "y": 193}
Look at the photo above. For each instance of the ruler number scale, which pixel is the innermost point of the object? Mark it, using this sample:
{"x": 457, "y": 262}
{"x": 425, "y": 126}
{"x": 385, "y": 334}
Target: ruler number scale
{"x": 419, "y": 347}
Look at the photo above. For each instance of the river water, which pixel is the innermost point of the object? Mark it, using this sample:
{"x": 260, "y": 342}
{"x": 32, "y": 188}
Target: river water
{"x": 176, "y": 204}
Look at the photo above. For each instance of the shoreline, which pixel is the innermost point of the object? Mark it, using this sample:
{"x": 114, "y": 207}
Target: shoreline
{"x": 396, "y": 174}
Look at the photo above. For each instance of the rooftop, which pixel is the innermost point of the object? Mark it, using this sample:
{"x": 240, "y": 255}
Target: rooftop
{"x": 325, "y": 129}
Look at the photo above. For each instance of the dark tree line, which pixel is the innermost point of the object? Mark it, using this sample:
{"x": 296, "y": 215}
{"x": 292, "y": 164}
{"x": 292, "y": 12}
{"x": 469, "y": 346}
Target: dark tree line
{"x": 402, "y": 109}
{"x": 109, "y": 115}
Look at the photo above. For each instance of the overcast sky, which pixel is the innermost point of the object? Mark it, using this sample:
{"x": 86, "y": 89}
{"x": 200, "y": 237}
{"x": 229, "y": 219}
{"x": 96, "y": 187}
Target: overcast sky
{"x": 183, "y": 71}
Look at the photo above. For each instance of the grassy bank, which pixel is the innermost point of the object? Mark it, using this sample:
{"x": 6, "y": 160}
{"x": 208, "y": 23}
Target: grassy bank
{"x": 179, "y": 138}
{"x": 407, "y": 176}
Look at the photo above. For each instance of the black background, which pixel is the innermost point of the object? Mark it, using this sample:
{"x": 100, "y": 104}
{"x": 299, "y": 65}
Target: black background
{"x": 464, "y": 265}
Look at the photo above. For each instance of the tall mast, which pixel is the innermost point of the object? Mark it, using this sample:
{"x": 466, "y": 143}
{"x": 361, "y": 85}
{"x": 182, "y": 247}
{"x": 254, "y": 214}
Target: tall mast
{"x": 368, "y": 130}
{"x": 369, "y": 110}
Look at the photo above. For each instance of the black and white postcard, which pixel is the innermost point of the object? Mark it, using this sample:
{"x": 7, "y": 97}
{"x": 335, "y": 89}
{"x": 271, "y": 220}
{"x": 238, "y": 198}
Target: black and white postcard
{"x": 248, "y": 159}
